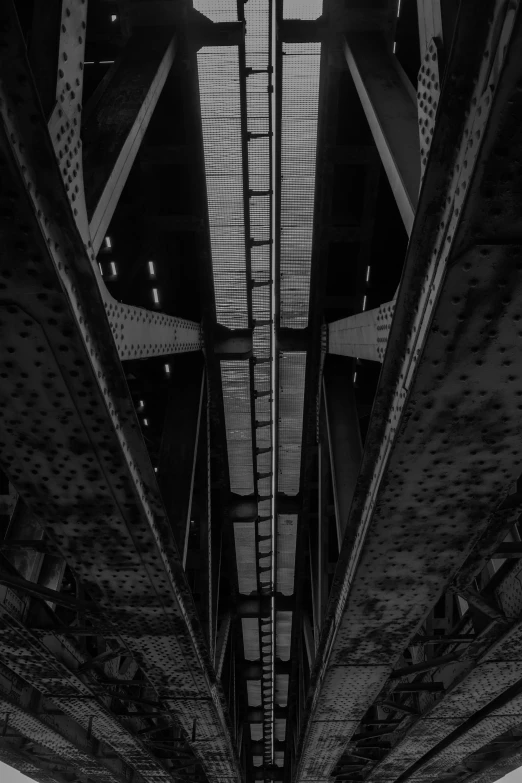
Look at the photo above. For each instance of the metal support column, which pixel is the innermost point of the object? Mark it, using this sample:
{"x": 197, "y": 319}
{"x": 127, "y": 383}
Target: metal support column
{"x": 390, "y": 105}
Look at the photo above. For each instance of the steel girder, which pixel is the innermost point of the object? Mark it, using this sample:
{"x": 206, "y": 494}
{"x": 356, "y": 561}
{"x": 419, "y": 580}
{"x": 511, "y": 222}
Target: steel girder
{"x": 50, "y": 663}
{"x": 27, "y": 766}
{"x": 439, "y": 456}
{"x": 71, "y": 443}
{"x": 111, "y": 138}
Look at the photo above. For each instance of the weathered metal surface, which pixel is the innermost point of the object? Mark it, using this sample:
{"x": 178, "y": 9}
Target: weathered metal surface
{"x": 65, "y": 120}
{"x": 50, "y": 664}
{"x": 428, "y": 96}
{"x": 364, "y": 335}
{"x": 471, "y": 686}
{"x": 35, "y": 729}
{"x": 439, "y": 399}
{"x": 71, "y": 442}
{"x": 112, "y": 136}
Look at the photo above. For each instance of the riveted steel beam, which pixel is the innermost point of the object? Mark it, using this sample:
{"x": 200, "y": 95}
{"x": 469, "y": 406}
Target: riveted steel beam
{"x": 462, "y": 183}
{"x": 81, "y": 698}
{"x": 99, "y": 472}
{"x": 73, "y": 754}
{"x": 362, "y": 336}
{"x": 27, "y": 765}
{"x": 116, "y": 120}
{"x": 390, "y": 105}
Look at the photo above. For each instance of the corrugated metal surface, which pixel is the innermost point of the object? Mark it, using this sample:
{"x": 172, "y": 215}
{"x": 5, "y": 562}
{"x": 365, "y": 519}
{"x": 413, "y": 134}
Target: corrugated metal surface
{"x": 254, "y": 693}
{"x": 235, "y": 380}
{"x": 283, "y": 635}
{"x": 217, "y": 10}
{"x": 281, "y": 689}
{"x": 280, "y": 729}
{"x": 298, "y": 156}
{"x": 218, "y": 69}
{"x": 245, "y": 541}
{"x": 251, "y": 638}
{"x": 286, "y": 539}
{"x": 292, "y": 367}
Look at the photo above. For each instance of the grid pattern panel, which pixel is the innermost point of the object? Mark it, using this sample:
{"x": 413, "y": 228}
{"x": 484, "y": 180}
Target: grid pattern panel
{"x": 286, "y": 541}
{"x": 302, "y": 9}
{"x": 235, "y": 382}
{"x": 245, "y": 542}
{"x": 217, "y": 10}
{"x": 283, "y": 635}
{"x": 218, "y": 69}
{"x": 298, "y": 157}
{"x": 292, "y": 368}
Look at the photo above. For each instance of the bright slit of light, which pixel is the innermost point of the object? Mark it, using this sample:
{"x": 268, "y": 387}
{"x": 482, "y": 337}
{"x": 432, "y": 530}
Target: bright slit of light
{"x": 108, "y": 243}
{"x": 399, "y": 9}
{"x": 113, "y": 17}
{"x": 167, "y": 369}
{"x": 146, "y": 422}
{"x": 368, "y": 275}
{"x": 152, "y": 269}
{"x": 142, "y": 405}
{"x": 155, "y": 295}
{"x": 354, "y": 377}
{"x": 364, "y": 303}
{"x": 88, "y": 62}
{"x": 101, "y": 269}
{"x": 106, "y": 62}
{"x": 394, "y": 46}
{"x": 113, "y": 269}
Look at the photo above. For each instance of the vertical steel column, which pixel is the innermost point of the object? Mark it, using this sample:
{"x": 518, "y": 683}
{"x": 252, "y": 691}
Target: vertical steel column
{"x": 390, "y": 105}
{"x": 344, "y": 437}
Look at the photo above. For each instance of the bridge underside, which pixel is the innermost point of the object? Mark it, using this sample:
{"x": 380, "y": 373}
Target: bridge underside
{"x": 260, "y": 390}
